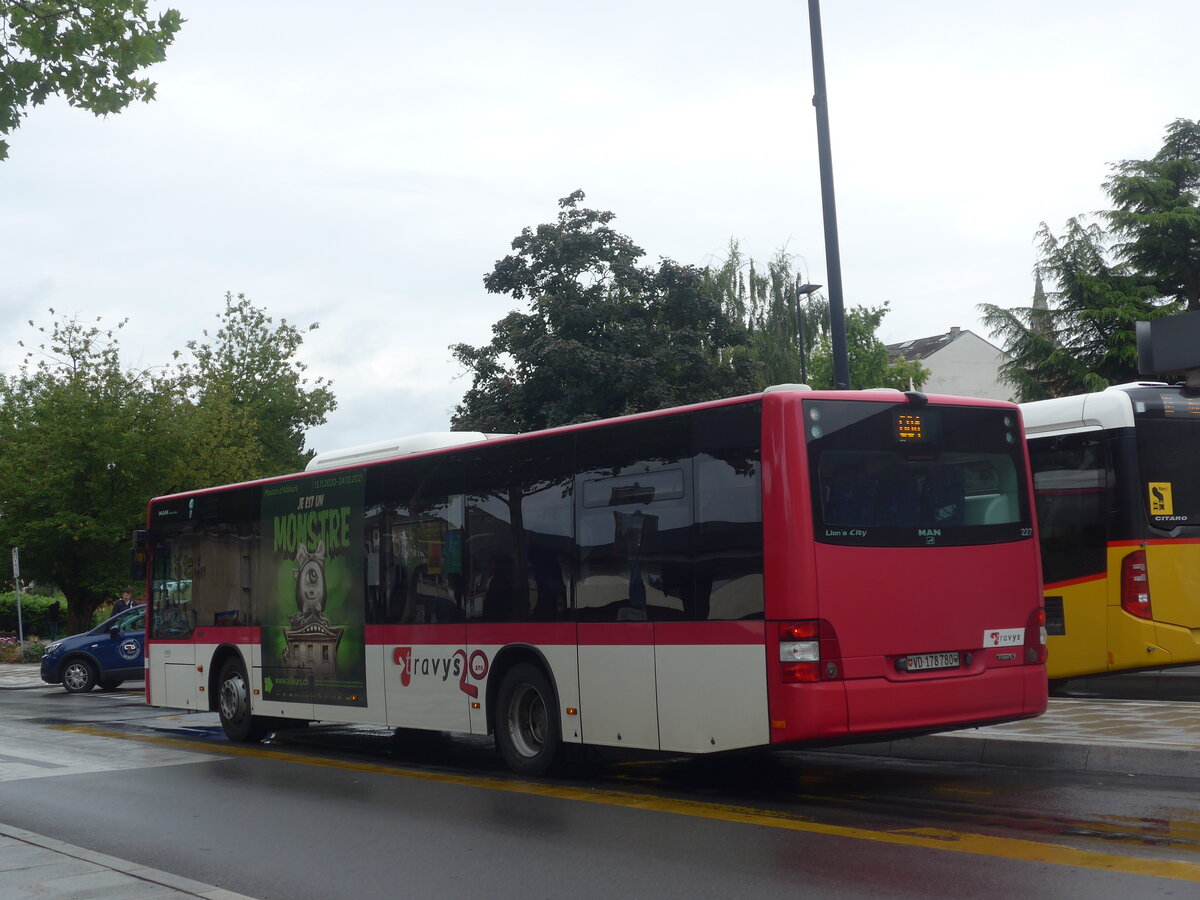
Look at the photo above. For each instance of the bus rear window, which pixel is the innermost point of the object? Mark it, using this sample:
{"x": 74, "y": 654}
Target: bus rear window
{"x": 1168, "y": 435}
{"x": 899, "y": 475}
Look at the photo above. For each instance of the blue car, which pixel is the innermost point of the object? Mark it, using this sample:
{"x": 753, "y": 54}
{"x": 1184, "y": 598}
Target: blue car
{"x": 109, "y": 654}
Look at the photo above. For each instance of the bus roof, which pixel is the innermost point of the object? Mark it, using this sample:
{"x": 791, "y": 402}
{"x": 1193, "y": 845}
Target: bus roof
{"x": 1109, "y": 408}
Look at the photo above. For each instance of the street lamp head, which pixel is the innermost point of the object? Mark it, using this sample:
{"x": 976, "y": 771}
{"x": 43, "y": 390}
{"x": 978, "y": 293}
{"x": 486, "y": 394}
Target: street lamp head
{"x": 808, "y": 289}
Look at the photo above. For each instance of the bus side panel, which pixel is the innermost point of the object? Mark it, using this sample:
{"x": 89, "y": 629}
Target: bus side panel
{"x": 422, "y": 667}
{"x": 172, "y": 667}
{"x": 618, "y": 705}
{"x": 1132, "y": 641}
{"x": 789, "y": 575}
{"x": 1077, "y": 626}
{"x": 1173, "y": 568}
{"x": 710, "y": 680}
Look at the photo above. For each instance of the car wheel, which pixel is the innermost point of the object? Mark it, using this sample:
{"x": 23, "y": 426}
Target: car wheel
{"x": 527, "y": 726}
{"x": 110, "y": 684}
{"x": 78, "y": 676}
{"x": 233, "y": 704}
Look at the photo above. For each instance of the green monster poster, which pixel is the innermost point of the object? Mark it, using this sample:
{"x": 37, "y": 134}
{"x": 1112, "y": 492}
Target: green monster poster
{"x": 313, "y": 647}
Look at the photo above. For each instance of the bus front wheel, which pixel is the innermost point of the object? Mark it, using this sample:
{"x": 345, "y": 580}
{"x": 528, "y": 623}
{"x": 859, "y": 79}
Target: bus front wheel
{"x": 233, "y": 704}
{"x": 527, "y": 724}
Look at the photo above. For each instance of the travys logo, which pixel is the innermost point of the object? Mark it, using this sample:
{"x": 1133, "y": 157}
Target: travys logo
{"x": 1004, "y": 637}
{"x": 458, "y": 664}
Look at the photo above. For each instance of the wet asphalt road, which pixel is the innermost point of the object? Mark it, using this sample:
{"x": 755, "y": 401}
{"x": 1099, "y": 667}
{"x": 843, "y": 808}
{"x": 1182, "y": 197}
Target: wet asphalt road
{"x": 332, "y": 811}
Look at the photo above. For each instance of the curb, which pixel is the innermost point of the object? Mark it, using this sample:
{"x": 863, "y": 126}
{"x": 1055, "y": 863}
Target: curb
{"x": 183, "y": 886}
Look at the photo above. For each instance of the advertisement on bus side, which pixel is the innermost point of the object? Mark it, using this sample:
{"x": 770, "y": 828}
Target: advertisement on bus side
{"x": 312, "y": 631}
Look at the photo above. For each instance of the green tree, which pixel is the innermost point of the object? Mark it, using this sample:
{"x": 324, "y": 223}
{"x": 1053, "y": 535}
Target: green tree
{"x": 1084, "y": 340}
{"x": 83, "y": 446}
{"x": 252, "y": 399}
{"x": 602, "y": 335}
{"x": 1156, "y": 216}
{"x": 88, "y": 52}
{"x": 85, "y": 443}
{"x": 1146, "y": 265}
{"x": 778, "y": 321}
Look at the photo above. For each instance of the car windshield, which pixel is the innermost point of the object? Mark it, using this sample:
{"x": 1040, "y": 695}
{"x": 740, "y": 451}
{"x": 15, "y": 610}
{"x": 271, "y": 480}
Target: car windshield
{"x": 127, "y": 621}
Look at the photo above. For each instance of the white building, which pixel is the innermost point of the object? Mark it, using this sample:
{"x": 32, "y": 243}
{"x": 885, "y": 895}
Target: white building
{"x": 960, "y": 363}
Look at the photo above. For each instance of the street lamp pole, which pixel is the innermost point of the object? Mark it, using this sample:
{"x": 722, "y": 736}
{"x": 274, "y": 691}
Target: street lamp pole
{"x": 805, "y": 290}
{"x": 833, "y": 258}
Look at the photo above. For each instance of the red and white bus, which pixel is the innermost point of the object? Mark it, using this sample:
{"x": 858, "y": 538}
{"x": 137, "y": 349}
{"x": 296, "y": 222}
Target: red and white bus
{"x": 788, "y": 568}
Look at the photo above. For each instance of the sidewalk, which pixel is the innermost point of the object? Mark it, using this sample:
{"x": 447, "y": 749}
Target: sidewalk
{"x": 32, "y": 866}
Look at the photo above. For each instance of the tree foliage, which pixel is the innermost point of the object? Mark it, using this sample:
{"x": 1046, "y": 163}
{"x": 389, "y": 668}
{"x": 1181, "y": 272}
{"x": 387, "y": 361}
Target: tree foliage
{"x": 1156, "y": 216}
{"x": 1145, "y": 266}
{"x": 83, "y": 446}
{"x": 253, "y": 399}
{"x": 1085, "y": 341}
{"x": 602, "y": 335}
{"x": 85, "y": 443}
{"x": 788, "y": 334}
{"x": 87, "y": 52}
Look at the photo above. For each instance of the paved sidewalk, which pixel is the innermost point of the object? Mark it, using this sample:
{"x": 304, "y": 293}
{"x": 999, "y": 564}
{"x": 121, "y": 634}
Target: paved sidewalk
{"x": 32, "y": 866}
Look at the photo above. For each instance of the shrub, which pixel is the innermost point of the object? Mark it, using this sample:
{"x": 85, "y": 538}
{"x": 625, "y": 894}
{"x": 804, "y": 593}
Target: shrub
{"x": 10, "y": 650}
{"x": 35, "y": 613}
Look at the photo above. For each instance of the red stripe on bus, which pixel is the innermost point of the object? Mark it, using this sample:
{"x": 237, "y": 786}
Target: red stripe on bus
{"x": 217, "y": 634}
{"x": 1155, "y": 542}
{"x": 1073, "y": 581}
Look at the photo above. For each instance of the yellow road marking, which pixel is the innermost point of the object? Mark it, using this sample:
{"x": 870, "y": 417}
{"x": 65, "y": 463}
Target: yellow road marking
{"x": 925, "y": 838}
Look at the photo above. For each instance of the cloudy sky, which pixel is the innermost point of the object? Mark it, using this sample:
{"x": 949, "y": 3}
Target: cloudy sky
{"x": 364, "y": 166}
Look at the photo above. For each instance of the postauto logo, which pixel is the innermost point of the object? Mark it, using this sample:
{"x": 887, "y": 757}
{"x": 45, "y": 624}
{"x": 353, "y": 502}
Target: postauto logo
{"x": 465, "y": 668}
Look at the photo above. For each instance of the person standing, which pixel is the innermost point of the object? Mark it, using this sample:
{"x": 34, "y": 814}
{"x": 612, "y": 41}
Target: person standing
{"x": 124, "y": 603}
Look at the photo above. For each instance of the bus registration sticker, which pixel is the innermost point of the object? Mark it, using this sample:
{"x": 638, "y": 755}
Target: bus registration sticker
{"x": 920, "y": 662}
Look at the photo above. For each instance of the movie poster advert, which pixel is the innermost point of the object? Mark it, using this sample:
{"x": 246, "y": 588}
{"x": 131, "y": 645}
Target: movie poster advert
{"x": 312, "y": 629}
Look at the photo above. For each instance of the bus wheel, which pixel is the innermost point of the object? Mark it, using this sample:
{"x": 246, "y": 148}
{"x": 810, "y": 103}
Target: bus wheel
{"x": 233, "y": 703}
{"x": 527, "y": 726}
{"x": 79, "y": 676}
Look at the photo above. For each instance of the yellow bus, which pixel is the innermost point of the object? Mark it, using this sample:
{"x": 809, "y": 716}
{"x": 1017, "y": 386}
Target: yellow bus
{"x": 1116, "y": 478}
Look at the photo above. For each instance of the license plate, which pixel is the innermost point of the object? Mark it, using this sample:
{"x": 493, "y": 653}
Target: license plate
{"x": 922, "y": 662}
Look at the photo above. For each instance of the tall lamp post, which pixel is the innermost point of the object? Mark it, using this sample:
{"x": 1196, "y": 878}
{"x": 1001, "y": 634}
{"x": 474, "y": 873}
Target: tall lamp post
{"x": 805, "y": 290}
{"x": 833, "y": 258}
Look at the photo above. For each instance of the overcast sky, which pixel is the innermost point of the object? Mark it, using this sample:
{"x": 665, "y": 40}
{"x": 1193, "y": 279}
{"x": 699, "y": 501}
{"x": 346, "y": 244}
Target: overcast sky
{"x": 364, "y": 166}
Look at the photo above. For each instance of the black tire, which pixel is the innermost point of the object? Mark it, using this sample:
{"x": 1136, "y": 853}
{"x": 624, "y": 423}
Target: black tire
{"x": 527, "y": 724}
{"x": 233, "y": 705}
{"x": 78, "y": 675}
{"x": 110, "y": 684}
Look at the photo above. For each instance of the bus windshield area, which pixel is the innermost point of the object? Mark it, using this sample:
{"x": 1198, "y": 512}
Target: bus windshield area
{"x": 901, "y": 475}
{"x": 1168, "y": 438}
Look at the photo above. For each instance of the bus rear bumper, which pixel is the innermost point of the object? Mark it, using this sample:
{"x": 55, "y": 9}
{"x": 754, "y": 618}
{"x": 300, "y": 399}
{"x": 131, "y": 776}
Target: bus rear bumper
{"x": 852, "y": 710}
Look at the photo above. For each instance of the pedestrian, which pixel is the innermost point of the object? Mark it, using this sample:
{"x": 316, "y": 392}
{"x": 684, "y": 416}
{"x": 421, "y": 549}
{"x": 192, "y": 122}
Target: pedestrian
{"x": 52, "y": 618}
{"x": 124, "y": 603}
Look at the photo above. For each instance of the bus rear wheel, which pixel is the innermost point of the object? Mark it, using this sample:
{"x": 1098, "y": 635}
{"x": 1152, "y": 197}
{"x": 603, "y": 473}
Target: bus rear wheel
{"x": 527, "y": 724}
{"x": 233, "y": 705}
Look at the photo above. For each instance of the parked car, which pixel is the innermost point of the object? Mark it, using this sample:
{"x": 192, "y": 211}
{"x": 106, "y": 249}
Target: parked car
{"x": 111, "y": 653}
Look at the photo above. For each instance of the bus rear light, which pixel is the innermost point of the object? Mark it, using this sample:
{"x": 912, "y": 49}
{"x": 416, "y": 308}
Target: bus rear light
{"x": 1035, "y": 637}
{"x": 1135, "y": 586}
{"x": 806, "y": 672}
{"x": 807, "y": 630}
{"x": 800, "y": 653}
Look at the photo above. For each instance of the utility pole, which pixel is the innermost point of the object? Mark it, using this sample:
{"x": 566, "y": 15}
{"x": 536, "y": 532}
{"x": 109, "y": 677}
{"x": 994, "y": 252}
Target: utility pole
{"x": 833, "y": 256}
